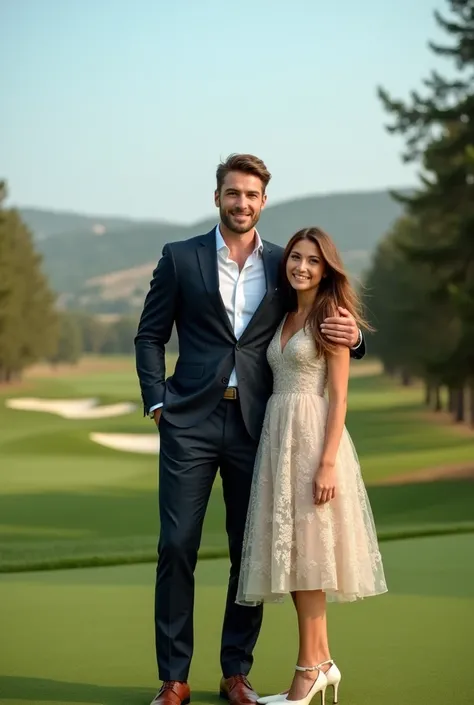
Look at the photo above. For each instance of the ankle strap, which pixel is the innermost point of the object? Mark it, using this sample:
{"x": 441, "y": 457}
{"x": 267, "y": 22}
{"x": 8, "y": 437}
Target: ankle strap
{"x": 324, "y": 663}
{"x": 307, "y": 668}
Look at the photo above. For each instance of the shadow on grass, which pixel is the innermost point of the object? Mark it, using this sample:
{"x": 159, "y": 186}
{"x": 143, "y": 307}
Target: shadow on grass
{"x": 397, "y": 430}
{"x": 101, "y": 514}
{"x": 123, "y": 527}
{"x": 424, "y": 503}
{"x": 36, "y": 690}
{"x": 111, "y": 515}
{"x": 120, "y": 524}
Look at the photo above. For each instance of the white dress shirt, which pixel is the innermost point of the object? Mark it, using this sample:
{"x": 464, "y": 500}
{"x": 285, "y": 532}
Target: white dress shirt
{"x": 241, "y": 292}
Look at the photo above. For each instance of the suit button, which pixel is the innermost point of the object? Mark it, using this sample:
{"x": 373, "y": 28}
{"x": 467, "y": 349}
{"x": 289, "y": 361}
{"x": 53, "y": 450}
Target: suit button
{"x": 225, "y": 380}
{"x": 237, "y": 347}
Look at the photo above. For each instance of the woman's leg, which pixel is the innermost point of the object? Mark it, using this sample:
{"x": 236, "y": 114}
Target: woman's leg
{"x": 313, "y": 639}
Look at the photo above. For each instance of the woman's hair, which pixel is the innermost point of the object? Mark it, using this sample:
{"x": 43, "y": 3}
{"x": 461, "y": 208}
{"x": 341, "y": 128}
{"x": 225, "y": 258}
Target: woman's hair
{"x": 334, "y": 289}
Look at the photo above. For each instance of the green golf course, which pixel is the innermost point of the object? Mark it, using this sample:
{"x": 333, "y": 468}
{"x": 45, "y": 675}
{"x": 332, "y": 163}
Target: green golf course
{"x": 86, "y": 636}
{"x": 78, "y": 532}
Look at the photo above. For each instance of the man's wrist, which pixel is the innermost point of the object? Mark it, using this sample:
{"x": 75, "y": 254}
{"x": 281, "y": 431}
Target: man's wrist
{"x": 151, "y": 412}
{"x": 359, "y": 341}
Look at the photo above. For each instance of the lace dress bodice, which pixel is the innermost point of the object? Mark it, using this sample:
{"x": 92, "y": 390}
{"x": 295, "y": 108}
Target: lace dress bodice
{"x": 298, "y": 369}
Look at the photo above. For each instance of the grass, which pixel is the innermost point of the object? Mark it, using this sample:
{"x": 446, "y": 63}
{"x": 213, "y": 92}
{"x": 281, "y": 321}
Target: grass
{"x": 73, "y": 637}
{"x": 65, "y": 501}
{"x": 86, "y": 636}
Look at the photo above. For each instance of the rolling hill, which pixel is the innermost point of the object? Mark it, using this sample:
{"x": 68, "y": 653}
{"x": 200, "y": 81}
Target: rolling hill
{"x": 105, "y": 264}
{"x": 46, "y": 223}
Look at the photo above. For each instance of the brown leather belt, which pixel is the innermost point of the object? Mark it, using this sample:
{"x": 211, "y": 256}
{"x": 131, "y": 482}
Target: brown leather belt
{"x": 231, "y": 393}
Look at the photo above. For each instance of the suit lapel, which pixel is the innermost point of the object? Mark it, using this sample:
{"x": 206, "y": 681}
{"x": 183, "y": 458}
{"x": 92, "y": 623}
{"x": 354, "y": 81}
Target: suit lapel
{"x": 271, "y": 273}
{"x": 207, "y": 256}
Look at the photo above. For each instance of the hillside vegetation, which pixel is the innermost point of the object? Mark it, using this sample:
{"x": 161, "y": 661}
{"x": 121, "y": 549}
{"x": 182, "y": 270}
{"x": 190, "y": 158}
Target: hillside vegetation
{"x": 80, "y": 258}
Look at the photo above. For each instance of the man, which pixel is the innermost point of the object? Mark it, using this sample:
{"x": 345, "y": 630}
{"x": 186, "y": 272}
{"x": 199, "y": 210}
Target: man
{"x": 221, "y": 290}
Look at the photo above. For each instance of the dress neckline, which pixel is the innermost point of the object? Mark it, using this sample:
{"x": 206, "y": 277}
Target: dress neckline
{"x": 282, "y": 325}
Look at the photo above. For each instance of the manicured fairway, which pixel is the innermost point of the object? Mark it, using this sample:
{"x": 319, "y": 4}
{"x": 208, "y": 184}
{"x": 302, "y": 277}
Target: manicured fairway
{"x": 86, "y": 636}
{"x": 65, "y": 500}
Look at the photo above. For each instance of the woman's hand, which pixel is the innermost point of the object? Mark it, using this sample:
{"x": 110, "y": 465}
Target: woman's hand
{"x": 324, "y": 483}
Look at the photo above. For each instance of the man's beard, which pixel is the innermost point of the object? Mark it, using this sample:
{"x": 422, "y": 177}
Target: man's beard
{"x": 238, "y": 228}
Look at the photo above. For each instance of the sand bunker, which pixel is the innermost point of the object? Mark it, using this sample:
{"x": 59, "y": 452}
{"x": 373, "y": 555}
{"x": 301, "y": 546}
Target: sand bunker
{"x": 71, "y": 408}
{"x": 148, "y": 443}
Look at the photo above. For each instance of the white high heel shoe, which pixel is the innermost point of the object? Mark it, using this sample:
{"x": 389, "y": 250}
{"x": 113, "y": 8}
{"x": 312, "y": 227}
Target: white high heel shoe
{"x": 319, "y": 686}
{"x": 333, "y": 677}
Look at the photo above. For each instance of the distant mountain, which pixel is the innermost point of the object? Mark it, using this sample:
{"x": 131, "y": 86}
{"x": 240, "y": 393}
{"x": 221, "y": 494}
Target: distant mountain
{"x": 45, "y": 223}
{"x": 105, "y": 265}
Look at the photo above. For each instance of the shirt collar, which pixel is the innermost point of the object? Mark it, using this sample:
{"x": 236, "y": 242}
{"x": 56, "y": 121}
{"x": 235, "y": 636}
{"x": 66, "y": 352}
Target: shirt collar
{"x": 220, "y": 242}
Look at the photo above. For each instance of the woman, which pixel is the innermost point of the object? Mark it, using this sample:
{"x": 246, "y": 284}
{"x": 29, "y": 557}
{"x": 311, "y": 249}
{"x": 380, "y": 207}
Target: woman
{"x": 310, "y": 530}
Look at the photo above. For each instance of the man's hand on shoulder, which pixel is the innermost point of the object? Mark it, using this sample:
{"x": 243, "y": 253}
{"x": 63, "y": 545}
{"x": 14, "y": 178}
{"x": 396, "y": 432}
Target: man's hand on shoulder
{"x": 342, "y": 329}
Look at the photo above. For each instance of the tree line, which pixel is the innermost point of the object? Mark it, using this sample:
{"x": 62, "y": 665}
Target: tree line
{"x": 82, "y": 333}
{"x": 32, "y": 327}
{"x": 420, "y": 284}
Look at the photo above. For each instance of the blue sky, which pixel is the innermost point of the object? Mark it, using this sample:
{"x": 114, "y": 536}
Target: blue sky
{"x": 125, "y": 107}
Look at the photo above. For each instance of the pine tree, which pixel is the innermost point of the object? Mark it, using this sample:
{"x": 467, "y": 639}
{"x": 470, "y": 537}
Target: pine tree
{"x": 439, "y": 133}
{"x": 407, "y": 338}
{"x": 28, "y": 320}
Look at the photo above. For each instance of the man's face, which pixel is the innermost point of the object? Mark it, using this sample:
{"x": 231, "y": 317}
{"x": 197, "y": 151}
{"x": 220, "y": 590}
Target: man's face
{"x": 240, "y": 201}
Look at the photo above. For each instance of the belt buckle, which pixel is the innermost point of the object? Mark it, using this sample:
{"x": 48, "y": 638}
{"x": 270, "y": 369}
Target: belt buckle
{"x": 230, "y": 393}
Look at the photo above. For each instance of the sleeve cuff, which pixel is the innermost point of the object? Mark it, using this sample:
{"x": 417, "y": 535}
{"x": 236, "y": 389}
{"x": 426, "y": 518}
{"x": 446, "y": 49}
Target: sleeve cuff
{"x": 359, "y": 341}
{"x": 153, "y": 408}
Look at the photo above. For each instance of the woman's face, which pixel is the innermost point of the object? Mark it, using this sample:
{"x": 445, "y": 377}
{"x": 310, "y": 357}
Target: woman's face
{"x": 305, "y": 266}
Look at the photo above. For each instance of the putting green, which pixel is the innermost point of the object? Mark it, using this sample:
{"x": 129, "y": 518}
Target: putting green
{"x": 86, "y": 636}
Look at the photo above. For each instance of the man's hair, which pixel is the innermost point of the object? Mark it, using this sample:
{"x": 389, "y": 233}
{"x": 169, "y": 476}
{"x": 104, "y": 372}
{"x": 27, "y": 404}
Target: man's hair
{"x": 246, "y": 163}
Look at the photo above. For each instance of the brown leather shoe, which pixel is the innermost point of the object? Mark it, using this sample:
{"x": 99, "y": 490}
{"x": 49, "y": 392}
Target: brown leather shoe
{"x": 172, "y": 693}
{"x": 237, "y": 690}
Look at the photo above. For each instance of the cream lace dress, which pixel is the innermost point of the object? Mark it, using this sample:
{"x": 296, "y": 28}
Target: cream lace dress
{"x": 290, "y": 543}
